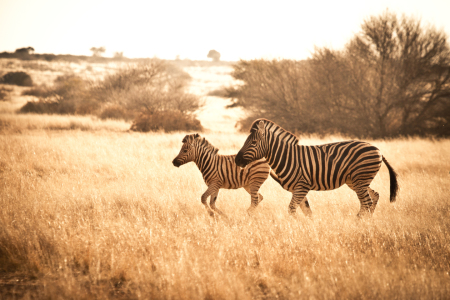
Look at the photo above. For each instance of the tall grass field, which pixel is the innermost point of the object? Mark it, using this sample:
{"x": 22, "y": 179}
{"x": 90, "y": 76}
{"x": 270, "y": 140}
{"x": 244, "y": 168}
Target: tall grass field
{"x": 95, "y": 214}
{"x": 91, "y": 210}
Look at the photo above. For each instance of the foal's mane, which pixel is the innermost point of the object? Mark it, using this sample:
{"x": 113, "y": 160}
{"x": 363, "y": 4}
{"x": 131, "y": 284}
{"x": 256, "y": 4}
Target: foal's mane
{"x": 201, "y": 141}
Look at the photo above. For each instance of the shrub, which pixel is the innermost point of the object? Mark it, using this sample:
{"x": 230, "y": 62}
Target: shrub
{"x": 4, "y": 93}
{"x": 146, "y": 88}
{"x": 115, "y": 111}
{"x": 40, "y": 107}
{"x": 67, "y": 96}
{"x": 17, "y": 78}
{"x": 40, "y": 91}
{"x": 150, "y": 86}
{"x": 152, "y": 90}
{"x": 167, "y": 121}
{"x": 220, "y": 92}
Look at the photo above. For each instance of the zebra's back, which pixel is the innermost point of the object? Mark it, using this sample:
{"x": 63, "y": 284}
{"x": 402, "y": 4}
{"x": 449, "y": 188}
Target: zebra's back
{"x": 234, "y": 177}
{"x": 329, "y": 166}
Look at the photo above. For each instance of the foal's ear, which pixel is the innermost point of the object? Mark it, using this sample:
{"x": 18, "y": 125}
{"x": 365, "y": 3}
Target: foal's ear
{"x": 196, "y": 135}
{"x": 261, "y": 128}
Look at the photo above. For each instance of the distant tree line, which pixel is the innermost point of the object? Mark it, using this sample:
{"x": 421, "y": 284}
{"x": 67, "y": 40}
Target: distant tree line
{"x": 391, "y": 79}
{"x": 27, "y": 53}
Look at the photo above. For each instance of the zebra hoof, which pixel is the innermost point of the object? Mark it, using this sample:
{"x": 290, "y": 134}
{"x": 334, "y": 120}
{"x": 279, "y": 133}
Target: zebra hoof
{"x": 364, "y": 214}
{"x": 251, "y": 211}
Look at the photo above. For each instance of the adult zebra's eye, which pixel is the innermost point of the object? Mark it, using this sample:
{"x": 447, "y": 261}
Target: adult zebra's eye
{"x": 185, "y": 150}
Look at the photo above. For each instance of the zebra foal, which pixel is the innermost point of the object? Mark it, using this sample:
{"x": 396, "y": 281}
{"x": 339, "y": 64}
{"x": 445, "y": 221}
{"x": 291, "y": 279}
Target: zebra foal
{"x": 221, "y": 172}
{"x": 300, "y": 169}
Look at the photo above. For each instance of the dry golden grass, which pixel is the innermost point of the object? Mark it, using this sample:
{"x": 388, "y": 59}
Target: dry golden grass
{"x": 88, "y": 214}
{"x": 17, "y": 123}
{"x": 91, "y": 211}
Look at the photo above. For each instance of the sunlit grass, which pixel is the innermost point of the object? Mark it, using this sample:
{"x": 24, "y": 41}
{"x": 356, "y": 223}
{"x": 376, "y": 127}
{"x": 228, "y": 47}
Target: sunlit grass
{"x": 91, "y": 210}
{"x": 103, "y": 214}
{"x": 17, "y": 123}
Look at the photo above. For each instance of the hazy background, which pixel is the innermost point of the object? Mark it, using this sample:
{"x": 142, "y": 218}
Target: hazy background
{"x": 237, "y": 29}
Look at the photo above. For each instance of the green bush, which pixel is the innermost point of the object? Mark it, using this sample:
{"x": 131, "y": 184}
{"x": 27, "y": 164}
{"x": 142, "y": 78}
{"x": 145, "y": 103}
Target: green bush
{"x": 17, "y": 78}
{"x": 167, "y": 121}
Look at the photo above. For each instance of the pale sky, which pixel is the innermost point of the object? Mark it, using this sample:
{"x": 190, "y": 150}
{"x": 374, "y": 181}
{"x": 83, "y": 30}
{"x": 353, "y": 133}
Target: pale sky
{"x": 190, "y": 28}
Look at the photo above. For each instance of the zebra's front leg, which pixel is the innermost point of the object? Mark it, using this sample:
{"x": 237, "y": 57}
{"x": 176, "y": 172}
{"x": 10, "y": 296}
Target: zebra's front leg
{"x": 214, "y": 191}
{"x": 212, "y": 203}
{"x": 299, "y": 199}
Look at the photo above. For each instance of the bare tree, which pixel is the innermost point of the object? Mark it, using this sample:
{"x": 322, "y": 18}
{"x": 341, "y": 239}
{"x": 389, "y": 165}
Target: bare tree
{"x": 24, "y": 51}
{"x": 406, "y": 74}
{"x": 391, "y": 79}
{"x": 97, "y": 51}
{"x": 214, "y": 55}
{"x": 118, "y": 55}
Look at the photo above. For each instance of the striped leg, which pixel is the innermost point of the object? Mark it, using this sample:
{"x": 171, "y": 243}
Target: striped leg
{"x": 299, "y": 199}
{"x": 256, "y": 198}
{"x": 362, "y": 190}
{"x": 212, "y": 203}
{"x": 213, "y": 189}
{"x": 374, "y": 196}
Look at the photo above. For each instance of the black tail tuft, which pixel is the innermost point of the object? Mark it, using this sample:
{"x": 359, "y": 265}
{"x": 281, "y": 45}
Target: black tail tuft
{"x": 393, "y": 180}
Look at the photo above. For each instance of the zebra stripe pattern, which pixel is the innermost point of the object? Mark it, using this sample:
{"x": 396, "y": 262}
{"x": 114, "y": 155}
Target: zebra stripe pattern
{"x": 221, "y": 171}
{"x": 300, "y": 169}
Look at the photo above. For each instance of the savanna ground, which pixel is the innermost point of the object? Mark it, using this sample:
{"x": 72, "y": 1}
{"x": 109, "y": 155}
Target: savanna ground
{"x": 89, "y": 210}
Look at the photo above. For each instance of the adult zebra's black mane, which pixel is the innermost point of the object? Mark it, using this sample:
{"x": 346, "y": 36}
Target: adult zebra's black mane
{"x": 283, "y": 133}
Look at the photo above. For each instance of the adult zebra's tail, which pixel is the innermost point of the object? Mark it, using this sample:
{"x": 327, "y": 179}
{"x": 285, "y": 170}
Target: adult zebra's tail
{"x": 393, "y": 180}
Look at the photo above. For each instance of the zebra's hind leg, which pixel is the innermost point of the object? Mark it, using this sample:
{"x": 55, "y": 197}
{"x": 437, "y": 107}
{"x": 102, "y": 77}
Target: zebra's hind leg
{"x": 260, "y": 198}
{"x": 366, "y": 202}
{"x": 256, "y": 198}
{"x": 364, "y": 196}
{"x": 299, "y": 199}
{"x": 374, "y": 196}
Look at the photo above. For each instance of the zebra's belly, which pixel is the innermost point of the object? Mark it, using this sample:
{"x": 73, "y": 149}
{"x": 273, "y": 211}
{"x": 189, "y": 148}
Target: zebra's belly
{"x": 291, "y": 185}
{"x": 231, "y": 185}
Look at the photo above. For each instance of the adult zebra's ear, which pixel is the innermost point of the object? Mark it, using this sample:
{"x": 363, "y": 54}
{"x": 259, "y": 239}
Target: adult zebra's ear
{"x": 261, "y": 128}
{"x": 196, "y": 135}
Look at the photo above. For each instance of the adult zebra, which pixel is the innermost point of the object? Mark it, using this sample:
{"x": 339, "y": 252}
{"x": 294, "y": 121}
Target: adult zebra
{"x": 323, "y": 167}
{"x": 221, "y": 172}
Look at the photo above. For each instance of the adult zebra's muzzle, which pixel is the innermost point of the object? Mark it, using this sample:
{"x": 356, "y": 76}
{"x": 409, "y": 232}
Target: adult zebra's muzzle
{"x": 239, "y": 160}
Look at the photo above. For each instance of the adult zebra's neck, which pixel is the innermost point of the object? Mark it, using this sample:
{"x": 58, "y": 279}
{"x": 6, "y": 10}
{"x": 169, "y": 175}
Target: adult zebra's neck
{"x": 280, "y": 148}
